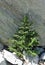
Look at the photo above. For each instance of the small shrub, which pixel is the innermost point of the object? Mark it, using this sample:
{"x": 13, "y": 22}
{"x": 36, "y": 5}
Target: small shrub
{"x": 24, "y": 39}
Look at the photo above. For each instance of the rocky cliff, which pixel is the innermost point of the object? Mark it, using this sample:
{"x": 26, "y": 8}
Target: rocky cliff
{"x": 12, "y": 11}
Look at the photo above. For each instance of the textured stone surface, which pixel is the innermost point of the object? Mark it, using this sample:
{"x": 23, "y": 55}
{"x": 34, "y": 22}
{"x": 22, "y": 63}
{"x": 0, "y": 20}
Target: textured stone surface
{"x": 1, "y": 46}
{"x": 13, "y": 10}
{"x": 2, "y": 60}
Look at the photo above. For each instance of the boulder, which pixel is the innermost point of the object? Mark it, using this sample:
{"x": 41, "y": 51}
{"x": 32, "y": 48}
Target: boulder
{"x": 11, "y": 58}
{"x": 2, "y": 60}
{"x": 42, "y": 56}
{"x": 31, "y": 60}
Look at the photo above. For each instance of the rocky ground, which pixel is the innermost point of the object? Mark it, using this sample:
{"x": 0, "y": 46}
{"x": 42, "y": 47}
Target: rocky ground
{"x": 8, "y": 58}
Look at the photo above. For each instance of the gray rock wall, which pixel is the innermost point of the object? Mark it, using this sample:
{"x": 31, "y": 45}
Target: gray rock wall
{"x": 11, "y": 12}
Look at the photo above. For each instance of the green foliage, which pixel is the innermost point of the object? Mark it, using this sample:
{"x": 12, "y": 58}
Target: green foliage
{"x": 24, "y": 39}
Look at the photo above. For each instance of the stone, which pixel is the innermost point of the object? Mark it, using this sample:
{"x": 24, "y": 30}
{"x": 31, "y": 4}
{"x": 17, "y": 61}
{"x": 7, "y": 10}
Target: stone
{"x": 40, "y": 49}
{"x": 42, "y": 56}
{"x": 35, "y": 59}
{"x": 2, "y": 60}
{"x": 11, "y": 58}
{"x": 33, "y": 63}
{"x": 1, "y": 46}
{"x": 31, "y": 60}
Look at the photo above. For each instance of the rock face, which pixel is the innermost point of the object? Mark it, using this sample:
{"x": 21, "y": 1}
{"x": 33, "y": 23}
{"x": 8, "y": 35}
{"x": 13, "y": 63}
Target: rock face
{"x": 11, "y": 12}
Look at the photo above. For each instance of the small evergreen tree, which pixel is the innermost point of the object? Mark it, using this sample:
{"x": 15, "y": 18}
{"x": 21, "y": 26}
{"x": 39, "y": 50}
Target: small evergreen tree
{"x": 24, "y": 39}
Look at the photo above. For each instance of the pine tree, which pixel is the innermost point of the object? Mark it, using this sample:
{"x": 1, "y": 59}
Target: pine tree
{"x": 24, "y": 39}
